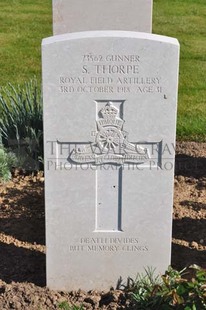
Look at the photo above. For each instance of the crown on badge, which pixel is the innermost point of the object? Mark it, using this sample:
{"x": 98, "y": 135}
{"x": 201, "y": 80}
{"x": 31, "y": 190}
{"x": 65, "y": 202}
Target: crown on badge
{"x": 109, "y": 111}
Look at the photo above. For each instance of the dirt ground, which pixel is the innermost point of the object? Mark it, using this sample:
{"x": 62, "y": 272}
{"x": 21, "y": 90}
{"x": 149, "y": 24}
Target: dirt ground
{"x": 22, "y": 236}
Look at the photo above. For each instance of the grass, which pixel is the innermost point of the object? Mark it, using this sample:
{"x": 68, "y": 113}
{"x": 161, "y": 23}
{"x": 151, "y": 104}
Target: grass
{"x": 23, "y": 24}
{"x": 186, "y": 20}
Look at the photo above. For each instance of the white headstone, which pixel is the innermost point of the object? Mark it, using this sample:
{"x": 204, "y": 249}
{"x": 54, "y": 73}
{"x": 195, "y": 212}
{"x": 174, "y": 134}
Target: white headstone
{"x": 110, "y": 100}
{"x": 81, "y": 15}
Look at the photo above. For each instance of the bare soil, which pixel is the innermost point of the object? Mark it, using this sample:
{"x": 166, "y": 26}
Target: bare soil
{"x": 22, "y": 236}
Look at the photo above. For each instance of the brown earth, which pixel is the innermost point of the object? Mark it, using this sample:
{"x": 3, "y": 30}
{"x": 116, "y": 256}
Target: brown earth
{"x": 22, "y": 237}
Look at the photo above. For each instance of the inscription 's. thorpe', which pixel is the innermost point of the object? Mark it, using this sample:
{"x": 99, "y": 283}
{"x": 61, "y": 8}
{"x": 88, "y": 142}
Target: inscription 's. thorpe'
{"x": 119, "y": 69}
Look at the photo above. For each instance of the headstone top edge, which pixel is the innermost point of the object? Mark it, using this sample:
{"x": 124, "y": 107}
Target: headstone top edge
{"x": 109, "y": 34}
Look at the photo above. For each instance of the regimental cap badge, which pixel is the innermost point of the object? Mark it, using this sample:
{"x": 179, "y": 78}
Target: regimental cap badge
{"x": 109, "y": 111}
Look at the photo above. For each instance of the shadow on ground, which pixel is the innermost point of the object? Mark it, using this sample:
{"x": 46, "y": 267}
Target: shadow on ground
{"x": 22, "y": 226}
{"x": 190, "y": 230}
{"x": 22, "y": 265}
{"x": 22, "y": 213}
{"x": 184, "y": 257}
{"x": 190, "y": 166}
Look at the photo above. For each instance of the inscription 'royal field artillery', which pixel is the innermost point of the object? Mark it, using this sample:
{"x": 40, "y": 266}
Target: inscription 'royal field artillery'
{"x": 111, "y": 142}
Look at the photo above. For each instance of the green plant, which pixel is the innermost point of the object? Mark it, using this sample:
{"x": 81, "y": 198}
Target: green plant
{"x": 185, "y": 20}
{"x": 21, "y": 124}
{"x": 24, "y": 23}
{"x": 65, "y": 306}
{"x": 171, "y": 291}
{"x": 7, "y": 161}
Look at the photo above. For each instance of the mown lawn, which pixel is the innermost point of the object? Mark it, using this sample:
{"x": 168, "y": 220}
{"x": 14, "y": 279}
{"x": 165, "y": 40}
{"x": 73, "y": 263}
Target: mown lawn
{"x": 186, "y": 20}
{"x": 23, "y": 24}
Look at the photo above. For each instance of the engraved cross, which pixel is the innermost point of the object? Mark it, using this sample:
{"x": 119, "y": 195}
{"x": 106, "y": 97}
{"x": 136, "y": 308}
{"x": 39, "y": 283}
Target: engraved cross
{"x": 111, "y": 152}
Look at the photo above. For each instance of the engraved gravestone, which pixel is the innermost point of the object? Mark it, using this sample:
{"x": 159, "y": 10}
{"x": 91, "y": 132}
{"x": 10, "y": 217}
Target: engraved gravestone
{"x": 110, "y": 102}
{"x": 81, "y": 15}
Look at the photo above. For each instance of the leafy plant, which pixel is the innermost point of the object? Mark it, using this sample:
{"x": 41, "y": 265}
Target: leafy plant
{"x": 170, "y": 291}
{"x": 21, "y": 124}
{"x": 7, "y": 161}
{"x": 65, "y": 306}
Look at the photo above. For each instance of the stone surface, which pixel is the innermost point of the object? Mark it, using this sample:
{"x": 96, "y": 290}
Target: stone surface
{"x": 109, "y": 118}
{"x": 81, "y": 15}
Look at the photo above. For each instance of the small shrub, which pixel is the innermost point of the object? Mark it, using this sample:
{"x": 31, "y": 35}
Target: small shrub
{"x": 7, "y": 161}
{"x": 65, "y": 306}
{"x": 21, "y": 123}
{"x": 170, "y": 291}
